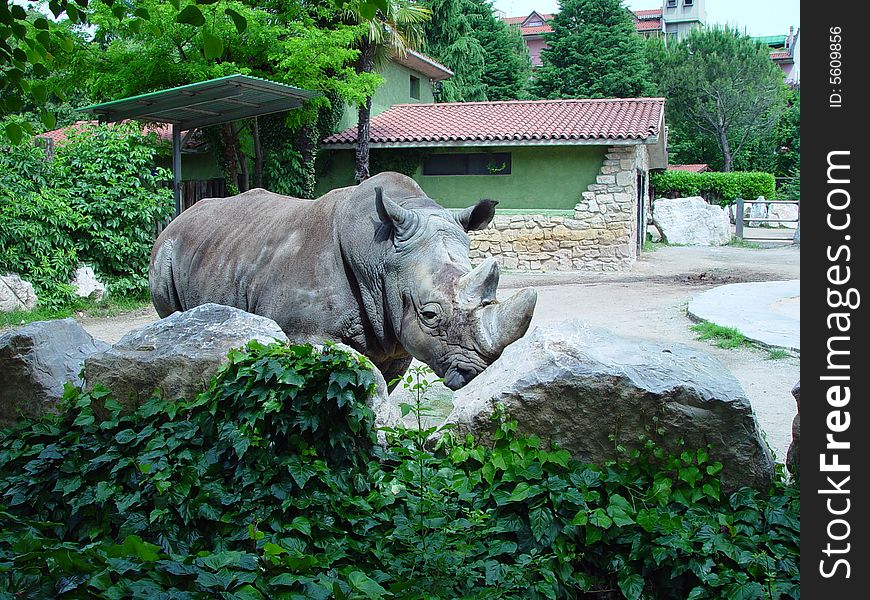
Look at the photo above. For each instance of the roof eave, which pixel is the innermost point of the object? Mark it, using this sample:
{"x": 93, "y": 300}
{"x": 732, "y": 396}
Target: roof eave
{"x": 493, "y": 143}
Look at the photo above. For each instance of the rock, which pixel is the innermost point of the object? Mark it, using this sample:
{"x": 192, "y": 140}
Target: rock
{"x": 16, "y": 294}
{"x": 756, "y": 210}
{"x": 786, "y": 212}
{"x": 36, "y": 360}
{"x": 87, "y": 285}
{"x": 691, "y": 222}
{"x": 175, "y": 356}
{"x": 654, "y": 235}
{"x": 793, "y": 458}
{"x": 577, "y": 385}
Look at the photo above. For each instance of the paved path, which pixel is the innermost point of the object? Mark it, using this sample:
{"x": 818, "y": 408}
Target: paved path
{"x": 766, "y": 312}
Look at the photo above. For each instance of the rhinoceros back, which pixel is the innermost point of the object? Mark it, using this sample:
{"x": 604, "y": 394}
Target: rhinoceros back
{"x": 261, "y": 252}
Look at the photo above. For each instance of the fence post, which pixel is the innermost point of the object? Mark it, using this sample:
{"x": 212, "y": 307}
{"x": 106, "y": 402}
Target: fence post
{"x": 738, "y": 220}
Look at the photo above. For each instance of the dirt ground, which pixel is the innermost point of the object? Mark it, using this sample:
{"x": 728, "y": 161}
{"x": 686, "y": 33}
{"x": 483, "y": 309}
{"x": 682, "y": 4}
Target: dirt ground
{"x": 647, "y": 302}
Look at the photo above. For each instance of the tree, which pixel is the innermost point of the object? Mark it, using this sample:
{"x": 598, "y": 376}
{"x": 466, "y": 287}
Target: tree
{"x": 29, "y": 44}
{"x": 450, "y": 39}
{"x": 507, "y": 66}
{"x": 593, "y": 52}
{"x": 393, "y": 30}
{"x": 721, "y": 84}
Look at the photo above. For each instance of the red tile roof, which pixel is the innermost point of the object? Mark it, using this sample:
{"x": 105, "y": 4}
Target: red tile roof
{"x": 696, "y": 168}
{"x": 648, "y": 14}
{"x": 780, "y": 55}
{"x": 514, "y": 121}
{"x": 163, "y": 131}
{"x": 537, "y": 30}
{"x": 648, "y": 25}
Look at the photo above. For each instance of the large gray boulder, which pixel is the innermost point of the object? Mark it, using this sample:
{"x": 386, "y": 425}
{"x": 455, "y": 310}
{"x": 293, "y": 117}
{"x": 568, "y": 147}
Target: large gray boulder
{"x": 176, "y": 356}
{"x": 793, "y": 458}
{"x": 16, "y": 294}
{"x": 36, "y": 360}
{"x": 691, "y": 222}
{"x": 577, "y": 385}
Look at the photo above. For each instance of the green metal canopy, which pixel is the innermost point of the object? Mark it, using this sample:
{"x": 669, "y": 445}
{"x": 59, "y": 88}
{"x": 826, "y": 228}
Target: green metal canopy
{"x": 201, "y": 104}
{"x": 205, "y": 103}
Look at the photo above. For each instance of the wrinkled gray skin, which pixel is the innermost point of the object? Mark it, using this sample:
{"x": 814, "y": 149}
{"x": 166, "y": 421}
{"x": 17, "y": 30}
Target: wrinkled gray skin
{"x": 379, "y": 266}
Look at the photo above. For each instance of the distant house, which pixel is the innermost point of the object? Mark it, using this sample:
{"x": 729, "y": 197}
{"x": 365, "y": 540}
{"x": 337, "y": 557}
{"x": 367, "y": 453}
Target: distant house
{"x": 583, "y": 160}
{"x": 673, "y": 20}
{"x": 785, "y": 52}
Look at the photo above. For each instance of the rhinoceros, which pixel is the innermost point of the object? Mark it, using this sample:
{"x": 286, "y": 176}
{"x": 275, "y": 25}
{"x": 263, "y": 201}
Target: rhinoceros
{"x": 379, "y": 266}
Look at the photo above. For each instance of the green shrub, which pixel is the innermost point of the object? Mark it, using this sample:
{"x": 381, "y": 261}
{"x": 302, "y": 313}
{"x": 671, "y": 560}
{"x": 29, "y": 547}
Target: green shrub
{"x": 111, "y": 178}
{"x": 721, "y": 188}
{"x": 268, "y": 486}
{"x": 37, "y": 230}
{"x": 97, "y": 202}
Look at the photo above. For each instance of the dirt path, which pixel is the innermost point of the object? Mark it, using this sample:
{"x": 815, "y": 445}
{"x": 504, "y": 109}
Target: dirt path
{"x": 648, "y": 302}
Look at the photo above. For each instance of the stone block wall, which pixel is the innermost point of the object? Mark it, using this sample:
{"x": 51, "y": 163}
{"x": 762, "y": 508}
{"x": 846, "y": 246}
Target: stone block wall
{"x": 601, "y": 236}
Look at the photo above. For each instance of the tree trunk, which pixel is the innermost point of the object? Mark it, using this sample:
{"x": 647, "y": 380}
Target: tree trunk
{"x": 232, "y": 172}
{"x": 258, "y": 154}
{"x": 307, "y": 145}
{"x": 366, "y": 65}
{"x": 727, "y": 159}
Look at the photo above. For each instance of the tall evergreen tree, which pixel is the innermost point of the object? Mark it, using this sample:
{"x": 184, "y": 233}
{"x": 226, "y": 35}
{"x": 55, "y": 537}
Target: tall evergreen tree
{"x": 451, "y": 41}
{"x": 507, "y": 67}
{"x": 593, "y": 52}
{"x": 722, "y": 86}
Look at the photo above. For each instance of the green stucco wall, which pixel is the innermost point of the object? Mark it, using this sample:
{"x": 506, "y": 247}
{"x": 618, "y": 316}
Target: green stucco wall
{"x": 195, "y": 167}
{"x": 542, "y": 177}
{"x": 395, "y": 89}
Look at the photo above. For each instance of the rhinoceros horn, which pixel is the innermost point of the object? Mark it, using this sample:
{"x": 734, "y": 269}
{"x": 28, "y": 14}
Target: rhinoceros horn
{"x": 505, "y": 323}
{"x": 404, "y": 221}
{"x": 500, "y": 323}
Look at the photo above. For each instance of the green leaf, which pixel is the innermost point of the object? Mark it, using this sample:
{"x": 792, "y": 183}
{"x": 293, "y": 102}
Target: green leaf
{"x": 239, "y": 21}
{"x": 600, "y": 519}
{"x": 212, "y": 45}
{"x": 191, "y": 15}
{"x": 125, "y": 437}
{"x": 367, "y": 586}
{"x": 630, "y": 584}
{"x": 14, "y": 132}
{"x": 540, "y": 521}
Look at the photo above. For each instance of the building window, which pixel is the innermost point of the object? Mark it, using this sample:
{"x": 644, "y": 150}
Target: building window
{"x": 415, "y": 87}
{"x": 688, "y": 2}
{"x": 672, "y": 3}
{"x": 497, "y": 163}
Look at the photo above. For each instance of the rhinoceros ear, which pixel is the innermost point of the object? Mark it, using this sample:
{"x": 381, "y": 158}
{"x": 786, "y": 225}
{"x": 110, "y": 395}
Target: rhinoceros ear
{"x": 402, "y": 220}
{"x": 477, "y": 216}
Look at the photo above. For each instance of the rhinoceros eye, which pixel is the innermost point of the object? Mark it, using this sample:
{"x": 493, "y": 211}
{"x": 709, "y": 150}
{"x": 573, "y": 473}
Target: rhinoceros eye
{"x": 430, "y": 313}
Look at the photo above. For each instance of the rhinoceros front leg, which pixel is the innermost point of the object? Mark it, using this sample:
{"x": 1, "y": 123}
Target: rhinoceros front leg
{"x": 394, "y": 369}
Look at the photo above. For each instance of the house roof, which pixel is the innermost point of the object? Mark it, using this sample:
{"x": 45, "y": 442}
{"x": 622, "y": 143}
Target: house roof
{"x": 644, "y": 20}
{"x": 515, "y": 122}
{"x": 648, "y": 14}
{"x": 694, "y": 168}
{"x": 421, "y": 63}
{"x": 648, "y": 25}
{"x": 781, "y": 55}
{"x": 162, "y": 130}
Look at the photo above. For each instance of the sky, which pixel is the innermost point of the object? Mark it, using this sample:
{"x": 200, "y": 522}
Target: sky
{"x": 756, "y": 17}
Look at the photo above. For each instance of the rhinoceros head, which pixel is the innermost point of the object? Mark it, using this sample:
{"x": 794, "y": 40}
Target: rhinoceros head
{"x": 450, "y": 317}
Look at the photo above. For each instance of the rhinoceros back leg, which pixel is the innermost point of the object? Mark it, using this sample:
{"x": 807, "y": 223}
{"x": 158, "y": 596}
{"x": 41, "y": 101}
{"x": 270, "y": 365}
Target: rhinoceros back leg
{"x": 161, "y": 281}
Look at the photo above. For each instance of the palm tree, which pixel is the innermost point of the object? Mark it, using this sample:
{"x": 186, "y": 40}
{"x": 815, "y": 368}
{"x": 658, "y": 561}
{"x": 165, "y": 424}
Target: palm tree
{"x": 392, "y": 31}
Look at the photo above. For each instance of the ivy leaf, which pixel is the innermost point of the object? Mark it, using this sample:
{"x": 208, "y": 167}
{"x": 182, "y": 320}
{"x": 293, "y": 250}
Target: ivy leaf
{"x": 367, "y": 586}
{"x": 631, "y": 585}
{"x": 540, "y": 520}
{"x": 190, "y": 15}
{"x": 14, "y": 132}
{"x": 212, "y": 45}
{"x": 239, "y": 21}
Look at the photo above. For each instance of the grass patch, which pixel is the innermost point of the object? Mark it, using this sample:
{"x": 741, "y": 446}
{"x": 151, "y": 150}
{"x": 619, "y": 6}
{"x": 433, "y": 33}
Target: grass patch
{"x": 777, "y": 354}
{"x": 723, "y": 337}
{"x": 741, "y": 243}
{"x": 650, "y": 246}
{"x": 111, "y": 306}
